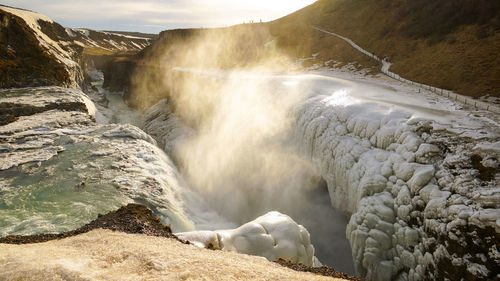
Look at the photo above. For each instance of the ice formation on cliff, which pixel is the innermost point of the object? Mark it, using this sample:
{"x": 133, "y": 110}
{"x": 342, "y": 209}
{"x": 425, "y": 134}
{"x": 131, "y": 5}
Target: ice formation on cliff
{"x": 405, "y": 174}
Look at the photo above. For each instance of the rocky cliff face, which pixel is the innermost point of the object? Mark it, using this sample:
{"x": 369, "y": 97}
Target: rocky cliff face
{"x": 109, "y": 40}
{"x": 35, "y": 51}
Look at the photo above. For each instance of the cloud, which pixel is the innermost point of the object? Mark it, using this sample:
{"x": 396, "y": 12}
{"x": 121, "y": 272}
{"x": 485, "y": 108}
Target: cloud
{"x": 157, "y": 15}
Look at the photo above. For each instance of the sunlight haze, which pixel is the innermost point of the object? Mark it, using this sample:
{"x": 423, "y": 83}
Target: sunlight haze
{"x": 157, "y": 15}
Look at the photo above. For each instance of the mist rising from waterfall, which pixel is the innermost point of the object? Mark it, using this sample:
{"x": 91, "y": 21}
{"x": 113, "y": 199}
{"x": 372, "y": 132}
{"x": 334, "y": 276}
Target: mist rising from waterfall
{"x": 242, "y": 159}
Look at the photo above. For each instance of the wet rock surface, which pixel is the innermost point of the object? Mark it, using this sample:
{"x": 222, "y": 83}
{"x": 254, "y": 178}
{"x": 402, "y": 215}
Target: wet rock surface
{"x": 29, "y": 101}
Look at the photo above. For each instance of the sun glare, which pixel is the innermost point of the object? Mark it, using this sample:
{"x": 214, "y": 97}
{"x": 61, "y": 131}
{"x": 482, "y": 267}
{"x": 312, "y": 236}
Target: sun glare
{"x": 264, "y": 9}
{"x": 285, "y": 6}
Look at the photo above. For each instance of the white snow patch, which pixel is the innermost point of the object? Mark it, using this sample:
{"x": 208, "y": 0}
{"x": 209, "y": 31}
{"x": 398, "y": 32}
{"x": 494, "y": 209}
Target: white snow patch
{"x": 272, "y": 236}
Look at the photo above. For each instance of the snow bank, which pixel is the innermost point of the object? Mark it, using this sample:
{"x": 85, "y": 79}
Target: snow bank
{"x": 272, "y": 236}
{"x": 107, "y": 255}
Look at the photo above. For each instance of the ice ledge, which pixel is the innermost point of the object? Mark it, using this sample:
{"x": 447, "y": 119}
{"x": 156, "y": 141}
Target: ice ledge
{"x": 273, "y": 236}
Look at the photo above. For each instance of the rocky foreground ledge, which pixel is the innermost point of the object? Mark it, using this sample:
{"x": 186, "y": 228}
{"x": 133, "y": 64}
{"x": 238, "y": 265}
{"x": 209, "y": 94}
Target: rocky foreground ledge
{"x": 93, "y": 251}
{"x": 132, "y": 219}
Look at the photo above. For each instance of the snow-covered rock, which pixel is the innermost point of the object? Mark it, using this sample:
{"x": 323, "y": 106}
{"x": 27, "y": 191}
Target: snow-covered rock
{"x": 272, "y": 236}
{"x": 109, "y": 255}
{"x": 419, "y": 191}
{"x": 110, "y": 41}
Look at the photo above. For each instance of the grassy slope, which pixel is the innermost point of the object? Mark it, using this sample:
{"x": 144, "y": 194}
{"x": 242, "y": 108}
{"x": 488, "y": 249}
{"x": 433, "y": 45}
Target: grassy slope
{"x": 451, "y": 44}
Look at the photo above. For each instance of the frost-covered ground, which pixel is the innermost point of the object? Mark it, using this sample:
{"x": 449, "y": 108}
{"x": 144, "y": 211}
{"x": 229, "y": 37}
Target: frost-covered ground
{"x": 417, "y": 173}
{"x": 107, "y": 255}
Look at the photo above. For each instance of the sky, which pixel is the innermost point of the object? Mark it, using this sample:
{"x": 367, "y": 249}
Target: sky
{"x": 153, "y": 16}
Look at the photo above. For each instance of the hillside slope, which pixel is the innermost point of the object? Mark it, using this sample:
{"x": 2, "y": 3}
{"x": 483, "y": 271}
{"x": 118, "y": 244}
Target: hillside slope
{"x": 36, "y": 51}
{"x": 447, "y": 44}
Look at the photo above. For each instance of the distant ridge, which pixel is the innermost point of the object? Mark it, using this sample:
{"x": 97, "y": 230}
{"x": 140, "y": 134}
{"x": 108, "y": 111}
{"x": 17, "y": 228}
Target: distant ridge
{"x": 137, "y": 34}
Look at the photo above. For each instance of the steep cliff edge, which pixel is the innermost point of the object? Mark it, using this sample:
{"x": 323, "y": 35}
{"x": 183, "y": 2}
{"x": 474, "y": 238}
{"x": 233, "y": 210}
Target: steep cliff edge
{"x": 35, "y": 51}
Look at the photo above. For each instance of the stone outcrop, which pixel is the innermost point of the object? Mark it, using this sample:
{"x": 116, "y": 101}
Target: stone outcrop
{"x": 34, "y": 51}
